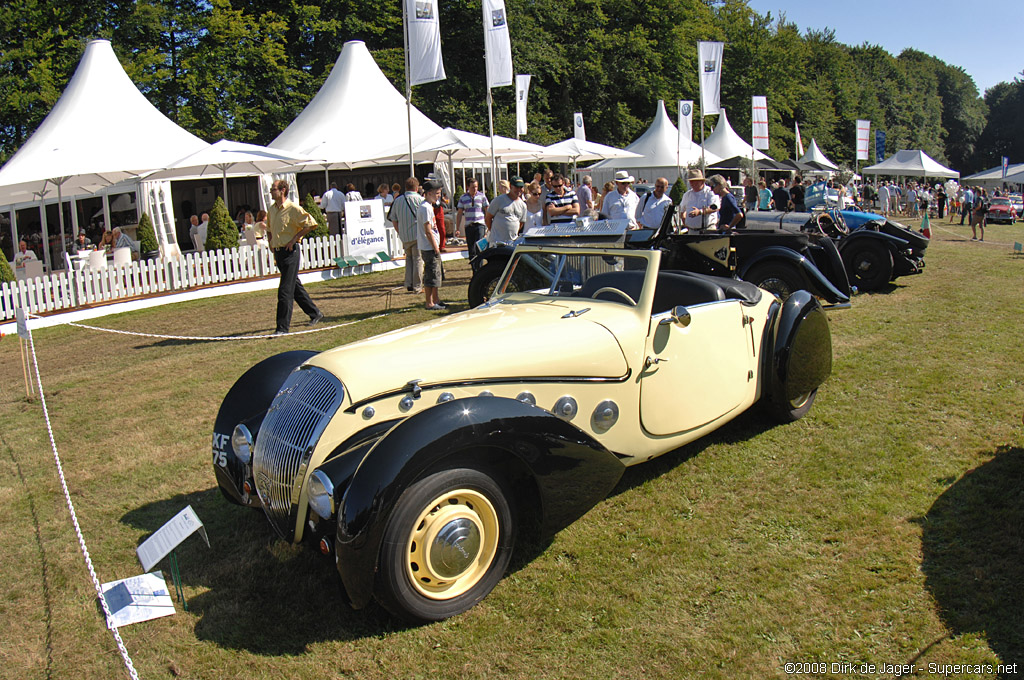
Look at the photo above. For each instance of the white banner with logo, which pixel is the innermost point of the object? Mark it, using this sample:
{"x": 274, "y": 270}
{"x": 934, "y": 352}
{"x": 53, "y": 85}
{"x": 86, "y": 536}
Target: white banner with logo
{"x": 364, "y": 228}
{"x": 578, "y": 132}
{"x": 759, "y": 116}
{"x": 709, "y": 68}
{"x": 863, "y": 135}
{"x": 686, "y": 120}
{"x": 799, "y": 142}
{"x": 425, "y": 65}
{"x": 522, "y": 92}
{"x": 497, "y": 45}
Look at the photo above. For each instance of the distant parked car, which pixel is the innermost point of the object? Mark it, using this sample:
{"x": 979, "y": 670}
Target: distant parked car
{"x": 1018, "y": 203}
{"x": 1001, "y": 210}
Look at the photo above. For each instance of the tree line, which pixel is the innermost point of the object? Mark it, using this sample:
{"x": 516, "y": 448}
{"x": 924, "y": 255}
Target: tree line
{"x": 243, "y": 69}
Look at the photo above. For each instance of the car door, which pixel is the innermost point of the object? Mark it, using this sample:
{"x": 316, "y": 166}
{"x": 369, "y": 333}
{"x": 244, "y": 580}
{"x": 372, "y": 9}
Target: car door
{"x": 697, "y": 372}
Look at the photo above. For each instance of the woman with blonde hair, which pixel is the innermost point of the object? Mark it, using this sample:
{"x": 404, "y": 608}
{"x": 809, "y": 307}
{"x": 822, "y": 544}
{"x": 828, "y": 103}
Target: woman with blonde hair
{"x": 606, "y": 190}
{"x": 534, "y": 195}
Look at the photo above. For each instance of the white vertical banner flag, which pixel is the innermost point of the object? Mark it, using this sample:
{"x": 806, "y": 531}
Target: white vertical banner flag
{"x": 425, "y": 65}
{"x": 686, "y": 120}
{"x": 497, "y": 45}
{"x": 578, "y": 132}
{"x": 522, "y": 91}
{"x": 759, "y": 116}
{"x": 799, "y": 142}
{"x": 709, "y": 68}
{"x": 863, "y": 132}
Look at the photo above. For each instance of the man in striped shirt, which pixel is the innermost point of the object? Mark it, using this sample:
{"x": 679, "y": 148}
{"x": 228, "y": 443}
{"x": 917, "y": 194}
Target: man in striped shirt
{"x": 561, "y": 204}
{"x": 469, "y": 218}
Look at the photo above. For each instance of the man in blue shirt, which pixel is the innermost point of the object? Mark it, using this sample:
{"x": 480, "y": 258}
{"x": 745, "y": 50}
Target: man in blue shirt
{"x": 730, "y": 215}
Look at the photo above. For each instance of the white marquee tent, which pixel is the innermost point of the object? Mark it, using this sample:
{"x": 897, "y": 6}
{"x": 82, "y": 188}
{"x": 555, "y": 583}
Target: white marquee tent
{"x": 101, "y": 131}
{"x": 357, "y": 116}
{"x": 910, "y": 163}
{"x": 659, "y": 153}
{"x": 814, "y": 154}
{"x": 725, "y": 143}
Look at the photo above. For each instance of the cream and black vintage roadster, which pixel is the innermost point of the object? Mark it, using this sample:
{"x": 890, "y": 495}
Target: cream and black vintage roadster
{"x": 416, "y": 475}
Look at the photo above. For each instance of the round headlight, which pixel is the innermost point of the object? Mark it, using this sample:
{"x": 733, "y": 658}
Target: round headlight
{"x": 241, "y": 443}
{"x": 321, "y": 494}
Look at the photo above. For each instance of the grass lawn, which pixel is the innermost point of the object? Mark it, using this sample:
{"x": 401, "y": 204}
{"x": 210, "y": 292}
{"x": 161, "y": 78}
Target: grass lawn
{"x": 887, "y": 527}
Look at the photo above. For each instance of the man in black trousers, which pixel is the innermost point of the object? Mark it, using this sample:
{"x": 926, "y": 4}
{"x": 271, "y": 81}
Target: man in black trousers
{"x": 288, "y": 224}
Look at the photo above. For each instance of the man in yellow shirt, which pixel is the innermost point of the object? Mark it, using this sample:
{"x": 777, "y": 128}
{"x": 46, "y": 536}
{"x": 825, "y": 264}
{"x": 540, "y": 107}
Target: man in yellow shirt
{"x": 288, "y": 224}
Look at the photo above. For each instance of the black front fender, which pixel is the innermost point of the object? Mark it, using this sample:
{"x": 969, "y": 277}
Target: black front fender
{"x": 571, "y": 471}
{"x": 247, "y": 402}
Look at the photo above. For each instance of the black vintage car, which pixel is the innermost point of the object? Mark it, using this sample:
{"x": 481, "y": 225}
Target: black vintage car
{"x": 776, "y": 255}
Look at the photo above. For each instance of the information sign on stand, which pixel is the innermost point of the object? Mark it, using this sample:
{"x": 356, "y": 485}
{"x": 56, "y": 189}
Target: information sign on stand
{"x": 365, "y": 233}
{"x": 165, "y": 539}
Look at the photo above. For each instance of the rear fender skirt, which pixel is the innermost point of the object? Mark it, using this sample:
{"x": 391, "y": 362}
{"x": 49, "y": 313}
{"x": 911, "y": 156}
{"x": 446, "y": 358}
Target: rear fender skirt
{"x": 570, "y": 469}
{"x": 247, "y": 402}
{"x": 802, "y": 357}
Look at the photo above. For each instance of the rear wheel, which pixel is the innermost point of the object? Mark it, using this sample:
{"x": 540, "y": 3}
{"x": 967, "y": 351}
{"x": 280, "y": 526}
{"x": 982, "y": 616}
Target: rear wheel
{"x": 869, "y": 265}
{"x": 447, "y": 544}
{"x": 780, "y": 278}
{"x": 481, "y": 286}
{"x": 787, "y": 410}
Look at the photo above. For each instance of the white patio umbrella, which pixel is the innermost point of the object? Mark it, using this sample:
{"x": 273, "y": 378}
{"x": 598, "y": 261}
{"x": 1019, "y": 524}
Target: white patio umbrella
{"x": 575, "y": 151}
{"x": 225, "y": 156}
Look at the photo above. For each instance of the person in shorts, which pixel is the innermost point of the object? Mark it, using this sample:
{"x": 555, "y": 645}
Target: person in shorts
{"x": 428, "y": 239}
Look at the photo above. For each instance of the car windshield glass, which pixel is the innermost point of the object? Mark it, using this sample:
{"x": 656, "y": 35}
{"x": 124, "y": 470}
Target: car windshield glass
{"x": 1000, "y": 201}
{"x": 572, "y": 275}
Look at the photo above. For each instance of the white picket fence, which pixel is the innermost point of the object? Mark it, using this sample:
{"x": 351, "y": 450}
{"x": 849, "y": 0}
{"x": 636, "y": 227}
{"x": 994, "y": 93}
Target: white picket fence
{"x": 67, "y": 290}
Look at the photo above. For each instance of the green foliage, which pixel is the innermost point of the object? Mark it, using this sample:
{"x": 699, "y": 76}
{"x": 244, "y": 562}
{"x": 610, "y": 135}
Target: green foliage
{"x": 677, "y": 190}
{"x": 6, "y": 273}
{"x": 310, "y": 205}
{"x": 147, "y": 237}
{"x": 222, "y": 231}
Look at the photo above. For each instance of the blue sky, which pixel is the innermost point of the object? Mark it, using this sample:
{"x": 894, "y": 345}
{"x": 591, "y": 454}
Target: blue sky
{"x": 985, "y": 39}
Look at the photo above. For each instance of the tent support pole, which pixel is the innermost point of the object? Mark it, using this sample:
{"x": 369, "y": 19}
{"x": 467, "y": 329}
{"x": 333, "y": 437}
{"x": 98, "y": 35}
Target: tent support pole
{"x": 490, "y": 127}
{"x": 408, "y": 89}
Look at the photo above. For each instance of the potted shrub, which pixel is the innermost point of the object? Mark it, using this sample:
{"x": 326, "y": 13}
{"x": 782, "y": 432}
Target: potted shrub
{"x": 6, "y": 273}
{"x": 222, "y": 231}
{"x": 309, "y": 204}
{"x": 148, "y": 245}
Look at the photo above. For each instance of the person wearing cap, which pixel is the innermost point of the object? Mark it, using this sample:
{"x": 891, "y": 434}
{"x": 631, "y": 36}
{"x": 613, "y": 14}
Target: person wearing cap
{"x": 652, "y": 208}
{"x": 561, "y": 204}
{"x": 699, "y": 206}
{"x": 730, "y": 214}
{"x": 507, "y": 214}
{"x": 428, "y": 240}
{"x": 622, "y": 203}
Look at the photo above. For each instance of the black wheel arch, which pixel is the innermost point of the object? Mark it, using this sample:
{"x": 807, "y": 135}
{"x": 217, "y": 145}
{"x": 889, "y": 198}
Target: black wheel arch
{"x": 800, "y": 357}
{"x": 247, "y": 402}
{"x": 552, "y": 467}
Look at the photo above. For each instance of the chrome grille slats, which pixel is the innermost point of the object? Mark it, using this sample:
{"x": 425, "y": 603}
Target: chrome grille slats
{"x": 294, "y": 423}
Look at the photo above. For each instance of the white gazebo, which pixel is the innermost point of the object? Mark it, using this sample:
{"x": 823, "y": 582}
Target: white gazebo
{"x": 815, "y": 155}
{"x": 659, "y": 153}
{"x": 725, "y": 143}
{"x": 910, "y": 163}
{"x": 101, "y": 132}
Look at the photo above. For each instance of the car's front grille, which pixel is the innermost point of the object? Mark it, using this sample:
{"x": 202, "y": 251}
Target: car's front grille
{"x": 293, "y": 425}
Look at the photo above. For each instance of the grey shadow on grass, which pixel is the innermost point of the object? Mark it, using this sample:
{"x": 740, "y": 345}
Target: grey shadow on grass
{"x": 252, "y": 591}
{"x": 973, "y": 554}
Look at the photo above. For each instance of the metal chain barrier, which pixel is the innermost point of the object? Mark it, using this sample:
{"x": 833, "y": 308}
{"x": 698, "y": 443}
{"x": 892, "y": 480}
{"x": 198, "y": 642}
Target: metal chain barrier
{"x": 74, "y": 518}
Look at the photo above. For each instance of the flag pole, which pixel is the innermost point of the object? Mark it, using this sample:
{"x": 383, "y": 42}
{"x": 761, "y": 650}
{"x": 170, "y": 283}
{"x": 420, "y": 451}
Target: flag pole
{"x": 490, "y": 123}
{"x": 408, "y": 87}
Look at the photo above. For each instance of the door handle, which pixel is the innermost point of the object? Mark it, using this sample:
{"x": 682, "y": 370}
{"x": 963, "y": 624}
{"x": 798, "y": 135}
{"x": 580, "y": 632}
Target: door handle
{"x": 649, "y": 361}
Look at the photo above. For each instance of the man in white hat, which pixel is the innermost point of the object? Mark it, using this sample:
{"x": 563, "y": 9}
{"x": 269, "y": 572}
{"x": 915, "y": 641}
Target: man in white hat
{"x": 699, "y": 206}
{"x": 621, "y": 205}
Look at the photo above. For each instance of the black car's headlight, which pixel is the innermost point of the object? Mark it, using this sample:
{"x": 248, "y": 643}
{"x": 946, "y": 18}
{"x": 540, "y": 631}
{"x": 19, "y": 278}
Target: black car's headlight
{"x": 321, "y": 494}
{"x": 241, "y": 443}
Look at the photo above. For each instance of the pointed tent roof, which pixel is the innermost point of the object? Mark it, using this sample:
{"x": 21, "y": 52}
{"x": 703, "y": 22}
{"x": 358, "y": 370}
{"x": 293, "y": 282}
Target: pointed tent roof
{"x": 85, "y": 146}
{"x": 911, "y": 163}
{"x": 815, "y": 155}
{"x": 357, "y": 114}
{"x": 657, "y": 147}
{"x": 726, "y": 143}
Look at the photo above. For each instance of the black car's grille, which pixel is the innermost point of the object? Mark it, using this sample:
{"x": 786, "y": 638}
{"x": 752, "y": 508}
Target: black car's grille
{"x": 293, "y": 425}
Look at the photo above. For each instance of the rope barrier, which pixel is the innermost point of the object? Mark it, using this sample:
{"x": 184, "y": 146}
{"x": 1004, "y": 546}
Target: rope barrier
{"x": 74, "y": 518}
{"x": 229, "y": 337}
{"x": 964, "y": 236}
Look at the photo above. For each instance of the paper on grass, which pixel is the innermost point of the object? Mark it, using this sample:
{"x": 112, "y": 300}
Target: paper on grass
{"x": 135, "y": 599}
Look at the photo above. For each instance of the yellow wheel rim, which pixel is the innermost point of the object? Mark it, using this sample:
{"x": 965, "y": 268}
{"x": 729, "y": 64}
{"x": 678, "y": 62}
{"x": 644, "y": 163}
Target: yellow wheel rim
{"x": 452, "y": 544}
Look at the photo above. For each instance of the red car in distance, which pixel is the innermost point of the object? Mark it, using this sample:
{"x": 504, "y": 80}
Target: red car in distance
{"x": 1001, "y": 210}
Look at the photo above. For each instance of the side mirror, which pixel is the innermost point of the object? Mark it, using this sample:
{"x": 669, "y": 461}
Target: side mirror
{"x": 679, "y": 315}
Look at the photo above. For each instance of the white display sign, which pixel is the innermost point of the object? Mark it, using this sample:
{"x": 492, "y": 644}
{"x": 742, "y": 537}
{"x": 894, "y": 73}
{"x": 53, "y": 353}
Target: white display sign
{"x": 135, "y": 599}
{"x": 686, "y": 120}
{"x": 863, "y": 133}
{"x": 425, "y": 63}
{"x": 364, "y": 228}
{"x": 522, "y": 92}
{"x": 578, "y": 131}
{"x": 22, "y": 321}
{"x": 167, "y": 537}
{"x": 709, "y": 69}
{"x": 759, "y": 116}
{"x": 497, "y": 44}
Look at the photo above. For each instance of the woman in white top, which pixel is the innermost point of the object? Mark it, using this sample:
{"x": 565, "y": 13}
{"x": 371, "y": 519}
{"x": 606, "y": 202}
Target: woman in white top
{"x": 534, "y": 196}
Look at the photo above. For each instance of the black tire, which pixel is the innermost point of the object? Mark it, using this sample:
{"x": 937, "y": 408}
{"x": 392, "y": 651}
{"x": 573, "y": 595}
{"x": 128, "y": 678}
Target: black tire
{"x": 869, "y": 265}
{"x": 787, "y": 410}
{"x": 780, "y": 278}
{"x": 481, "y": 286}
{"x": 467, "y": 513}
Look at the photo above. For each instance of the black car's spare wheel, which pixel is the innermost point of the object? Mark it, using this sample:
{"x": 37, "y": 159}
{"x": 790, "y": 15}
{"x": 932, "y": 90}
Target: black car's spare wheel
{"x": 481, "y": 286}
{"x": 780, "y": 278}
{"x": 446, "y": 546}
{"x": 869, "y": 265}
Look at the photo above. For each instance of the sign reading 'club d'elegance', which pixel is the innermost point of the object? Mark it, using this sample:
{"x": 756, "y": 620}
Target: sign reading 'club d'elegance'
{"x": 364, "y": 228}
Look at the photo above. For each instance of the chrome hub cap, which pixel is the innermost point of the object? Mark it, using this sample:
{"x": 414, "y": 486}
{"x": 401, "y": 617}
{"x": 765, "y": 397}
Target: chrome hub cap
{"x": 454, "y": 548}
